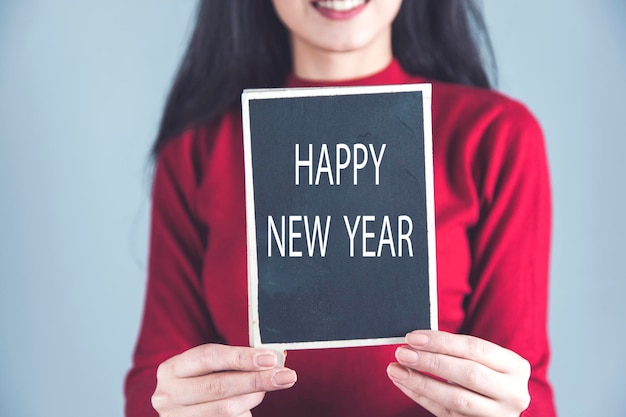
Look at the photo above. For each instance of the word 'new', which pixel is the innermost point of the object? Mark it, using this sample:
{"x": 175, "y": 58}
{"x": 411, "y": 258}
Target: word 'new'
{"x": 358, "y": 156}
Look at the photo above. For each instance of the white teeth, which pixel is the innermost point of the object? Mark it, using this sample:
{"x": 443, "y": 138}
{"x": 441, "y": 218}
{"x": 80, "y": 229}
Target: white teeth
{"x": 340, "y": 5}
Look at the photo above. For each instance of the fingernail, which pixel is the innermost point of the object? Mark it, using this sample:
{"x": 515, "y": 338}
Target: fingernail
{"x": 406, "y": 355}
{"x": 416, "y": 339}
{"x": 265, "y": 360}
{"x": 397, "y": 372}
{"x": 284, "y": 377}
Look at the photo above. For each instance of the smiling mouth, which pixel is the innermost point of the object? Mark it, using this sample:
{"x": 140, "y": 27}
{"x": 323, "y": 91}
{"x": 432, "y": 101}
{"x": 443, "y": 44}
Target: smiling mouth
{"x": 340, "y": 6}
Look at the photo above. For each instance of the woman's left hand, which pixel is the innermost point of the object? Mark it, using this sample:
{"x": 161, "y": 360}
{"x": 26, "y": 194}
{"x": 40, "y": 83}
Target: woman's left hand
{"x": 472, "y": 377}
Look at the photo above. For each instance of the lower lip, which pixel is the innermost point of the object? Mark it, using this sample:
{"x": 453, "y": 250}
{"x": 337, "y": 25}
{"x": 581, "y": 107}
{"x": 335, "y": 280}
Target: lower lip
{"x": 343, "y": 15}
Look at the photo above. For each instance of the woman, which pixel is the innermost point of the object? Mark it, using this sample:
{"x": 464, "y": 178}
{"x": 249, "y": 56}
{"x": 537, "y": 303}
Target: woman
{"x": 492, "y": 203}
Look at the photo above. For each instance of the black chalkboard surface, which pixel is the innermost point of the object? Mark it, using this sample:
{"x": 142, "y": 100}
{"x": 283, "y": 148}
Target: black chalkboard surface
{"x": 340, "y": 215}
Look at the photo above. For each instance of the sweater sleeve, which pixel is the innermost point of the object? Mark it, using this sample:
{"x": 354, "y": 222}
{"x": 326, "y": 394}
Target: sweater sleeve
{"x": 175, "y": 317}
{"x": 510, "y": 246}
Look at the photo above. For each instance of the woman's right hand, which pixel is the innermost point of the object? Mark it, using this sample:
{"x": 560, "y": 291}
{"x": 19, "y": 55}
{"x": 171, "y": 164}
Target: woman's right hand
{"x": 218, "y": 380}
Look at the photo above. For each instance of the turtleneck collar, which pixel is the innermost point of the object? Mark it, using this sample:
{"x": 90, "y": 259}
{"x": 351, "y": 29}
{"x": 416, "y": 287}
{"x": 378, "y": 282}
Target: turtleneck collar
{"x": 391, "y": 74}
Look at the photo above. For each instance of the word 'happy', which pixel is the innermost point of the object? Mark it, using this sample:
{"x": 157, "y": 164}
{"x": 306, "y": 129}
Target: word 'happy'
{"x": 358, "y": 156}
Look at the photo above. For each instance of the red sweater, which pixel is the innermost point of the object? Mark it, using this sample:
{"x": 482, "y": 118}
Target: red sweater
{"x": 492, "y": 204}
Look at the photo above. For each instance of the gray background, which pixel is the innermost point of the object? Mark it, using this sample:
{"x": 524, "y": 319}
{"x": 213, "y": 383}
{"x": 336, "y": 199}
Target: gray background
{"x": 81, "y": 88}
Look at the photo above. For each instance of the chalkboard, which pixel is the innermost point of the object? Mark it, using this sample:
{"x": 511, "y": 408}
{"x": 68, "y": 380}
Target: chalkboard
{"x": 340, "y": 215}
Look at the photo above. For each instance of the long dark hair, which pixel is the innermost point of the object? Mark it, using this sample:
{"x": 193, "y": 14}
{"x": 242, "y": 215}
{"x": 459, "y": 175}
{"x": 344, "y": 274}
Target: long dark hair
{"x": 239, "y": 44}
